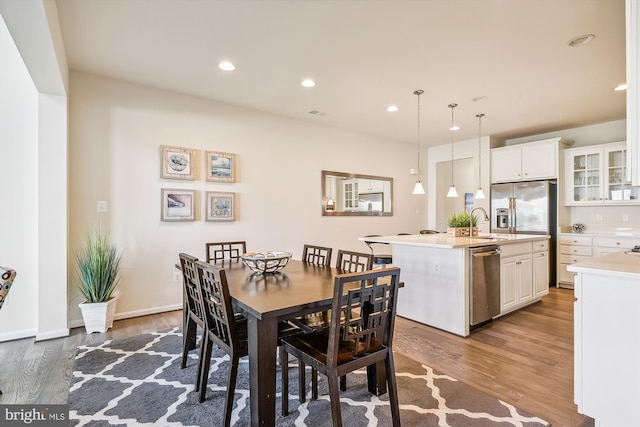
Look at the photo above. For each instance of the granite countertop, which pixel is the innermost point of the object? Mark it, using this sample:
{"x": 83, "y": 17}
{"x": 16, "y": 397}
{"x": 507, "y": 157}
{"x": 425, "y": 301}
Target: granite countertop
{"x": 620, "y": 264}
{"x": 441, "y": 240}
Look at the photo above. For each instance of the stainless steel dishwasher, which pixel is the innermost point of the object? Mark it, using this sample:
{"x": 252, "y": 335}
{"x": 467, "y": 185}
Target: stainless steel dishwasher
{"x": 484, "y": 284}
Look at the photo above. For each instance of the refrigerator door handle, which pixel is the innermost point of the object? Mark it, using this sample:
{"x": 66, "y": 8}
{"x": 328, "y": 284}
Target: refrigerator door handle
{"x": 514, "y": 217}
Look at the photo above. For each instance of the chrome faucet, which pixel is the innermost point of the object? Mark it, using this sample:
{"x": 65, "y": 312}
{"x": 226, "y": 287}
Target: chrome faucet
{"x": 486, "y": 218}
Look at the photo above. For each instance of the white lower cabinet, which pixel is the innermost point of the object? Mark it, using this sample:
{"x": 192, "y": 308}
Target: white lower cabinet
{"x": 540, "y": 274}
{"x": 516, "y": 276}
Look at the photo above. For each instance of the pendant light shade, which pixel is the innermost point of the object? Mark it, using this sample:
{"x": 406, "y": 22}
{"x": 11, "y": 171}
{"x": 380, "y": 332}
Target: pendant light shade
{"x": 418, "y": 189}
{"x": 452, "y": 190}
{"x": 479, "y": 193}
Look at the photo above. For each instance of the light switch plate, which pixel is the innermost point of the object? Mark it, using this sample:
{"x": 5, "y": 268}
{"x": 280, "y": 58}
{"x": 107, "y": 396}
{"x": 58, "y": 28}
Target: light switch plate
{"x": 101, "y": 206}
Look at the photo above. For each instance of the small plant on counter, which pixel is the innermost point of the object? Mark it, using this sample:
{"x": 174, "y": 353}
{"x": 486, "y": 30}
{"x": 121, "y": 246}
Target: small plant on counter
{"x": 460, "y": 219}
{"x": 458, "y": 224}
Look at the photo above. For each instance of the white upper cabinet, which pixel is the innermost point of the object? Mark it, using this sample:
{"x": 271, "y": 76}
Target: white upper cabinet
{"x": 596, "y": 175}
{"x": 525, "y": 162}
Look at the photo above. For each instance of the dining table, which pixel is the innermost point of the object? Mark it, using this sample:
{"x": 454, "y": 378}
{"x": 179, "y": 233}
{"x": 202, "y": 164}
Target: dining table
{"x": 266, "y": 299}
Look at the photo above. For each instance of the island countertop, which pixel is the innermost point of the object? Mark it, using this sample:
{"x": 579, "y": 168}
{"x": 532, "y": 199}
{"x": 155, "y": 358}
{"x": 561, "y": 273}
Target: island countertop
{"x": 442, "y": 240}
{"x": 621, "y": 264}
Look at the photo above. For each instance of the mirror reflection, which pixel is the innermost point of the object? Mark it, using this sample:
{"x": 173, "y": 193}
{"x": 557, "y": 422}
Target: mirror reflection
{"x": 345, "y": 194}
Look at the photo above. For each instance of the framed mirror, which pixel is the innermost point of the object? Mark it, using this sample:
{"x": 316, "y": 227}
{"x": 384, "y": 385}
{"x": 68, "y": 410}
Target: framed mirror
{"x": 350, "y": 194}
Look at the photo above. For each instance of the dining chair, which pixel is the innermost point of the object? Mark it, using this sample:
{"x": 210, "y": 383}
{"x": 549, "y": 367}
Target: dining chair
{"x": 320, "y": 256}
{"x": 227, "y": 330}
{"x": 222, "y": 327}
{"x": 353, "y": 262}
{"x": 378, "y": 259}
{"x": 361, "y": 334}
{"x": 429, "y": 232}
{"x": 224, "y": 251}
{"x": 191, "y": 305}
{"x": 317, "y": 255}
{"x": 7, "y": 276}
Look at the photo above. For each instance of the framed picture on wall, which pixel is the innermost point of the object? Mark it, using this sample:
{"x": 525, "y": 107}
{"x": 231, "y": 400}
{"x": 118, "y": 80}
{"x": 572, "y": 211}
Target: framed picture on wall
{"x": 220, "y": 167}
{"x": 220, "y": 206}
{"x": 177, "y": 205}
{"x": 177, "y": 162}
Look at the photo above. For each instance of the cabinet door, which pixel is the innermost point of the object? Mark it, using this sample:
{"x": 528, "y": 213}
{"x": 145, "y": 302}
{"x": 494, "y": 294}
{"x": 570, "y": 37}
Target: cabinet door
{"x": 617, "y": 188}
{"x": 525, "y": 276}
{"x": 540, "y": 274}
{"x": 584, "y": 177}
{"x": 539, "y": 161}
{"x": 506, "y": 164}
{"x": 509, "y": 281}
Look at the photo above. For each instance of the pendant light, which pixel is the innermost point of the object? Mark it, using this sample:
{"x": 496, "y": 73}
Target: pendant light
{"x": 418, "y": 189}
{"x": 479, "y": 193}
{"x": 452, "y": 190}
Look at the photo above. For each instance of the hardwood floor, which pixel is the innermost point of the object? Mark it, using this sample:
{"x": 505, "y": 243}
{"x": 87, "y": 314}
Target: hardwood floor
{"x": 525, "y": 358}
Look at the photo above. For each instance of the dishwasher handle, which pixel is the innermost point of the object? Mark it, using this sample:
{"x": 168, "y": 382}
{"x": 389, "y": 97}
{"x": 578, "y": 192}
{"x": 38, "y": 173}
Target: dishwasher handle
{"x": 488, "y": 253}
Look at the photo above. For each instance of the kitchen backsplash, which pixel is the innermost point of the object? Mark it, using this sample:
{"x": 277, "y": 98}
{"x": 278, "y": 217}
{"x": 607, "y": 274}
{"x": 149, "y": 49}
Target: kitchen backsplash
{"x": 605, "y": 219}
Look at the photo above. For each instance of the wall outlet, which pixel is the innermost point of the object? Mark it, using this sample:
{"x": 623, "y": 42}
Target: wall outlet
{"x": 436, "y": 267}
{"x": 177, "y": 276}
{"x": 598, "y": 217}
{"x": 625, "y": 217}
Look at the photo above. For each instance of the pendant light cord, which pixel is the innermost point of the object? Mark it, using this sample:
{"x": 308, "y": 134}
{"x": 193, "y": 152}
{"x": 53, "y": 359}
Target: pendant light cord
{"x": 418, "y": 93}
{"x": 479, "y": 116}
{"x": 452, "y": 106}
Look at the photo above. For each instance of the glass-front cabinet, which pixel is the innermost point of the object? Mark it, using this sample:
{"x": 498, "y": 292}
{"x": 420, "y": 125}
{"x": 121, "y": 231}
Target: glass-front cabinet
{"x": 597, "y": 175}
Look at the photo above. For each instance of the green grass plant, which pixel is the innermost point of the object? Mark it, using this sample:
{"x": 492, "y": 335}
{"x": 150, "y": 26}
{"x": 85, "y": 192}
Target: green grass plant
{"x": 98, "y": 267}
{"x": 461, "y": 219}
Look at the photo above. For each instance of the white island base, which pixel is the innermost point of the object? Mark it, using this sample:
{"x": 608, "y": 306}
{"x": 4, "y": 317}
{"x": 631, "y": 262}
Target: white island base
{"x": 607, "y": 339}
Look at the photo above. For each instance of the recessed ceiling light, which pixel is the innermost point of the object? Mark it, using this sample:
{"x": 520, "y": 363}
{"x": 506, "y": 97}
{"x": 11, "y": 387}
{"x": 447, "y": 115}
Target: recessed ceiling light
{"x": 581, "y": 40}
{"x": 308, "y": 83}
{"x": 226, "y": 66}
{"x": 621, "y": 87}
{"x": 392, "y": 108}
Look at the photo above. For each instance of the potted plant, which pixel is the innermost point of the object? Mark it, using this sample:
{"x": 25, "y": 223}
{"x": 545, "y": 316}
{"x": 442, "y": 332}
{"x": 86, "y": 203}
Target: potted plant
{"x": 458, "y": 224}
{"x": 98, "y": 279}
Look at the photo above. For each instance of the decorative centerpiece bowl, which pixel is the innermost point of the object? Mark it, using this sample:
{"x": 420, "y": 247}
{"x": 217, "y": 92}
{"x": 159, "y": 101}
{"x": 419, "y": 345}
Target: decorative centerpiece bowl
{"x": 577, "y": 228}
{"x": 266, "y": 262}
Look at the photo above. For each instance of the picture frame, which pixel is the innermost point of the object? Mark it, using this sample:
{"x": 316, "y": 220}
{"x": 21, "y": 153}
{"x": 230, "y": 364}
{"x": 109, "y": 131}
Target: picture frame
{"x": 177, "y": 163}
{"x": 177, "y": 204}
{"x": 220, "y": 206}
{"x": 220, "y": 167}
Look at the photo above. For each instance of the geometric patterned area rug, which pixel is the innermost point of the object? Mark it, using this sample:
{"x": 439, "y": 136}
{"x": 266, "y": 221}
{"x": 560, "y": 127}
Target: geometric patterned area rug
{"x": 138, "y": 382}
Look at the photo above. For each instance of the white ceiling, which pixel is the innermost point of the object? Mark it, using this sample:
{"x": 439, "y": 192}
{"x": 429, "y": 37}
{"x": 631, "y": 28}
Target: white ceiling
{"x": 366, "y": 55}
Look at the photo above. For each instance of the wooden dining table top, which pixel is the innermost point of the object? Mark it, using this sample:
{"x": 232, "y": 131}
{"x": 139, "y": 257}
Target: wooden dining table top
{"x": 298, "y": 287}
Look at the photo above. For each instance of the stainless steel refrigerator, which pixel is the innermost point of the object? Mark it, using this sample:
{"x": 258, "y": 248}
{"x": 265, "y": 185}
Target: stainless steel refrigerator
{"x": 526, "y": 208}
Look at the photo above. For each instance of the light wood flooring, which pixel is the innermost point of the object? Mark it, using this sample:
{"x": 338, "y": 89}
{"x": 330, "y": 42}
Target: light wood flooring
{"x": 525, "y": 358}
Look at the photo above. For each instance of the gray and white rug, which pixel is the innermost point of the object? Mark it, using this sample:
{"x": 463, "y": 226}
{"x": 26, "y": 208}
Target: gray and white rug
{"x": 138, "y": 382}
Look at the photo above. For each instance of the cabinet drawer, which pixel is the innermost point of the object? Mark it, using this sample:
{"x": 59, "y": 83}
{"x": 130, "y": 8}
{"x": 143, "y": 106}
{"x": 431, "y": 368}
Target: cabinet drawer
{"x": 564, "y": 275}
{"x": 572, "y": 259}
{"x": 541, "y": 245}
{"x": 515, "y": 249}
{"x": 612, "y": 242}
{"x": 576, "y": 250}
{"x": 575, "y": 240}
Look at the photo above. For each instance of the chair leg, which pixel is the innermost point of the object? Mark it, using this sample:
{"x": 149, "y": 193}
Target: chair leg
{"x": 302, "y": 387}
{"x": 334, "y": 397}
{"x": 185, "y": 341}
{"x": 201, "y": 351}
{"x": 204, "y": 364}
{"x": 314, "y": 384}
{"x": 392, "y": 388}
{"x": 231, "y": 389}
{"x": 284, "y": 361}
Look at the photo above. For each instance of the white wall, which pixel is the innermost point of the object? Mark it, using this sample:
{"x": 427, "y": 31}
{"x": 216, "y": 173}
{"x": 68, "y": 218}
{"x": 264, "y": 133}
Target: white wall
{"x": 19, "y": 190}
{"x": 116, "y": 130}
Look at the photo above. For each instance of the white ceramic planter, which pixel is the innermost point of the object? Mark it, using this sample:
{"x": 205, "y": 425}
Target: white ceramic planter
{"x": 98, "y": 317}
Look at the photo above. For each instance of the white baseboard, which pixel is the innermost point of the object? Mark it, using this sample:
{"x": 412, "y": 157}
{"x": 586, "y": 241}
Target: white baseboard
{"x": 52, "y": 334}
{"x": 17, "y": 335}
{"x": 136, "y": 313}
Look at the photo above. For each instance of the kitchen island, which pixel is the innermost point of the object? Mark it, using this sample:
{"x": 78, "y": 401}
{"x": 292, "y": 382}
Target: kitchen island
{"x": 606, "y": 338}
{"x": 435, "y": 270}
